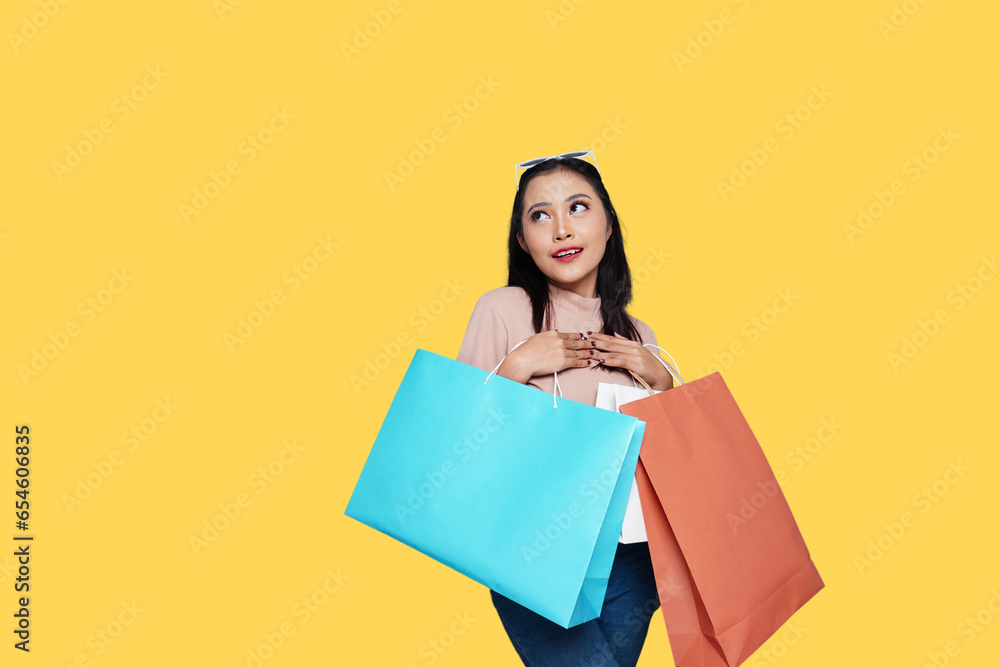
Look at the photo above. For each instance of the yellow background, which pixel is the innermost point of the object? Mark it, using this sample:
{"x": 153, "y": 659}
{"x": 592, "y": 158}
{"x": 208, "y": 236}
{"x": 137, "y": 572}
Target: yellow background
{"x": 583, "y": 74}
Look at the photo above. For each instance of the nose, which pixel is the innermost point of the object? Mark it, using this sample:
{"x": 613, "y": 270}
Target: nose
{"x": 561, "y": 229}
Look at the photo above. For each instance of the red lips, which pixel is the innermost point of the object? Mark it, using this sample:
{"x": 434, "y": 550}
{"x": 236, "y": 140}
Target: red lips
{"x": 567, "y": 257}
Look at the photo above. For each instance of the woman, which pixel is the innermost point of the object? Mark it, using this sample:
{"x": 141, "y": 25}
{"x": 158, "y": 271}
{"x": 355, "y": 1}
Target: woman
{"x": 567, "y": 289}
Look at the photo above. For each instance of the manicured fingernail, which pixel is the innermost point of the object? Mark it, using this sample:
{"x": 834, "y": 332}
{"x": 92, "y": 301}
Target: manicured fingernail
{"x": 602, "y": 361}
{"x": 592, "y": 353}
{"x": 582, "y": 337}
{"x": 589, "y": 332}
{"x": 588, "y": 362}
{"x": 593, "y": 343}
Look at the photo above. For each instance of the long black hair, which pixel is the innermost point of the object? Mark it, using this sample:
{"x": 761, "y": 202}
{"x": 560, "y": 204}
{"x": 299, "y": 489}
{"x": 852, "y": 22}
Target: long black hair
{"x": 614, "y": 280}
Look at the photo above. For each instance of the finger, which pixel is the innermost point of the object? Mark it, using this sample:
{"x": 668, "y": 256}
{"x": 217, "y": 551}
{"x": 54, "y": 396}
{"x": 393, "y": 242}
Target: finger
{"x": 578, "y": 343}
{"x": 585, "y": 358}
{"x": 610, "y": 344}
{"x": 610, "y": 359}
{"x": 619, "y": 360}
{"x": 595, "y": 335}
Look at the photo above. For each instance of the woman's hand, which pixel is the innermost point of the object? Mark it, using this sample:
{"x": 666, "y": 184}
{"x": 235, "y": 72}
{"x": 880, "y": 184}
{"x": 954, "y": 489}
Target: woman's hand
{"x": 630, "y": 355}
{"x": 548, "y": 352}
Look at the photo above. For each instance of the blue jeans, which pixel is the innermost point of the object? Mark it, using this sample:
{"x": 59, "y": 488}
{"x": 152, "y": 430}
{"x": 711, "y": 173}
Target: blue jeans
{"x": 614, "y": 639}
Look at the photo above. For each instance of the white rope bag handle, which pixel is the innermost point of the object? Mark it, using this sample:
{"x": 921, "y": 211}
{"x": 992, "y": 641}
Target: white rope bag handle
{"x": 674, "y": 371}
{"x": 555, "y": 376}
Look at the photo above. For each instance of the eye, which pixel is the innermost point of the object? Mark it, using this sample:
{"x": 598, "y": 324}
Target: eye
{"x": 578, "y": 206}
{"x": 537, "y": 214}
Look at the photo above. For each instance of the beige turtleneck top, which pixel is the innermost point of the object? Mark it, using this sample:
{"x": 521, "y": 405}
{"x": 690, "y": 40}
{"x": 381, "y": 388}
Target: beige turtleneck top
{"x": 502, "y": 319}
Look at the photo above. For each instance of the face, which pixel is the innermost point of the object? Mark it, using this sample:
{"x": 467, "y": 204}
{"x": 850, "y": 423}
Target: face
{"x": 565, "y": 230}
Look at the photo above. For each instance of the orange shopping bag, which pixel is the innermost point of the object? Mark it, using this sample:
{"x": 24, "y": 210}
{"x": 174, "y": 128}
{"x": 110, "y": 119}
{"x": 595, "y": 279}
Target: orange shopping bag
{"x": 730, "y": 563}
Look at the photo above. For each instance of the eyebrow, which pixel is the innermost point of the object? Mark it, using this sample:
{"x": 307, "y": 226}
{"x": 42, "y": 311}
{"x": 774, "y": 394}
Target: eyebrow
{"x": 545, "y": 203}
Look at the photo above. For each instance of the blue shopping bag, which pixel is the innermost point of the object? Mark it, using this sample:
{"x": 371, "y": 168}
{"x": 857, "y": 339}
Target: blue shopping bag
{"x": 487, "y": 476}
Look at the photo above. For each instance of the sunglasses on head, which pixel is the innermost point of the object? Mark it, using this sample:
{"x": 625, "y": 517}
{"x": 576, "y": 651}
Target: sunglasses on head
{"x": 528, "y": 164}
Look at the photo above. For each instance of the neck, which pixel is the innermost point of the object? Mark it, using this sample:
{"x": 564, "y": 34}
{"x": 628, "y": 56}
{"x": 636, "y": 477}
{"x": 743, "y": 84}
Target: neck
{"x": 587, "y": 291}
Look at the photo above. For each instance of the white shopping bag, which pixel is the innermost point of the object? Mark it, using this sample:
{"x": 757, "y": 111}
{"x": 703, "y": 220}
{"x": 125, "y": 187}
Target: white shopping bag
{"x": 612, "y": 397}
